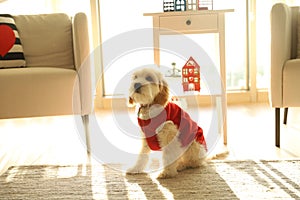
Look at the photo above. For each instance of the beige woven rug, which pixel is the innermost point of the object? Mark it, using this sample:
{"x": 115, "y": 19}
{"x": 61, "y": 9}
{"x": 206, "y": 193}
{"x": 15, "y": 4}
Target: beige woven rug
{"x": 218, "y": 180}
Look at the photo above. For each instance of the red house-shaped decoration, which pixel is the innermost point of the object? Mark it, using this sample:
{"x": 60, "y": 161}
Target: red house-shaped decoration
{"x": 191, "y": 75}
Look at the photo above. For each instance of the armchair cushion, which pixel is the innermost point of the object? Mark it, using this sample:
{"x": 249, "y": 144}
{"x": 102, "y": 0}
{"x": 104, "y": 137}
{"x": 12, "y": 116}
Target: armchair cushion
{"x": 39, "y": 91}
{"x": 11, "y": 50}
{"x": 291, "y": 82}
{"x": 46, "y": 39}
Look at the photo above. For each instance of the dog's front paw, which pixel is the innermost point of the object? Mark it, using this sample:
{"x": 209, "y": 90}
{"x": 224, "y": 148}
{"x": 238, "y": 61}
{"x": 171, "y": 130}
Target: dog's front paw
{"x": 167, "y": 174}
{"x": 134, "y": 170}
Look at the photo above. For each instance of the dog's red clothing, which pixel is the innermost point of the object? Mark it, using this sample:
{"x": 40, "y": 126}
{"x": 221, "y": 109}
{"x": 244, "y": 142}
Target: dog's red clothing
{"x": 188, "y": 129}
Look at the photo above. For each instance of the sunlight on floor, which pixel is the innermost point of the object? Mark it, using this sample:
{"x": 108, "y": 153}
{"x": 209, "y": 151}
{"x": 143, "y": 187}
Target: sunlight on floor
{"x": 45, "y": 140}
{"x": 55, "y": 140}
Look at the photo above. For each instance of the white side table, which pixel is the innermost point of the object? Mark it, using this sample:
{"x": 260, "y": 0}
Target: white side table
{"x": 196, "y": 22}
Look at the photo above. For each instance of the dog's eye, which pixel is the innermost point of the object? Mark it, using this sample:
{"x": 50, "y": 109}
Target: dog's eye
{"x": 134, "y": 77}
{"x": 149, "y": 78}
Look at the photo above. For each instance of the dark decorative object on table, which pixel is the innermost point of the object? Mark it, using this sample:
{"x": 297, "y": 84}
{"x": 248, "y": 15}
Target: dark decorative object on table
{"x": 169, "y": 5}
{"x": 183, "y": 5}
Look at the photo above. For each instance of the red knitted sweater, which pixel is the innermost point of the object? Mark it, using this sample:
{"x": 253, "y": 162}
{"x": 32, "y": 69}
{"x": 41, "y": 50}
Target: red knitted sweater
{"x": 188, "y": 129}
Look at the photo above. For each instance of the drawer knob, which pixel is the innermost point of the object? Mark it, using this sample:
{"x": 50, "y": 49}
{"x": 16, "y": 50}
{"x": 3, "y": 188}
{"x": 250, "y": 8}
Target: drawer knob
{"x": 188, "y": 22}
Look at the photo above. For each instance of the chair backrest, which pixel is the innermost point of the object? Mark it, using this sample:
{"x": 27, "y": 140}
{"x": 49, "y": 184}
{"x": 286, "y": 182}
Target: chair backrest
{"x": 295, "y": 43}
{"x": 46, "y": 40}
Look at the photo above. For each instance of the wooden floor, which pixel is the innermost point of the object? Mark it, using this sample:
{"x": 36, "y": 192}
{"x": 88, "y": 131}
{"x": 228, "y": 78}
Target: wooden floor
{"x": 59, "y": 140}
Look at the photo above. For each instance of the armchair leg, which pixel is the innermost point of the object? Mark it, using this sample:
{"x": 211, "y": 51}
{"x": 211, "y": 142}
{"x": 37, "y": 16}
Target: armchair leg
{"x": 277, "y": 127}
{"x": 85, "y": 120}
{"x": 285, "y": 115}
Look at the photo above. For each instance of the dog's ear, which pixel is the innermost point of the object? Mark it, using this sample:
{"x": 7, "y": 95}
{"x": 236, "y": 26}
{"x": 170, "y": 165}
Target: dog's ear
{"x": 130, "y": 102}
{"x": 163, "y": 96}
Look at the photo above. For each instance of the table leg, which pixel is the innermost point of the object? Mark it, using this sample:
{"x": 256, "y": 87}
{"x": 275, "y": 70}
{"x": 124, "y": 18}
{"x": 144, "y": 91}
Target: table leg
{"x": 223, "y": 73}
{"x": 156, "y": 40}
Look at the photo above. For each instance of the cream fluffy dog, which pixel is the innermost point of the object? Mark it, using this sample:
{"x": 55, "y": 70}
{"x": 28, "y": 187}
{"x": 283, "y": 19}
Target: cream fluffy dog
{"x": 165, "y": 126}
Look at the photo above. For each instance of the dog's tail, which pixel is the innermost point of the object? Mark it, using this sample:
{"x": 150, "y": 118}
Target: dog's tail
{"x": 219, "y": 155}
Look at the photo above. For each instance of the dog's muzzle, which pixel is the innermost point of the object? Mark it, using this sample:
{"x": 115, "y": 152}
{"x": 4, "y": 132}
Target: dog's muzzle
{"x": 137, "y": 87}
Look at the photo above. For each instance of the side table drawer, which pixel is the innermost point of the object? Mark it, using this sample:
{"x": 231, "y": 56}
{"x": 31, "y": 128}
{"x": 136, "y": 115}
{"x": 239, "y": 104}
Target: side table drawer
{"x": 189, "y": 22}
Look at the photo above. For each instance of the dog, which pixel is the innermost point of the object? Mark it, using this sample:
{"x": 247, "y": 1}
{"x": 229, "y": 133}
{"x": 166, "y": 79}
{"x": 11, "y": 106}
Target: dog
{"x": 166, "y": 127}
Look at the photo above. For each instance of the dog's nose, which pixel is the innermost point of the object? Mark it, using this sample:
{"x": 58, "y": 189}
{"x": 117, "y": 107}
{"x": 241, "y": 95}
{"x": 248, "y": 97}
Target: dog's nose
{"x": 137, "y": 87}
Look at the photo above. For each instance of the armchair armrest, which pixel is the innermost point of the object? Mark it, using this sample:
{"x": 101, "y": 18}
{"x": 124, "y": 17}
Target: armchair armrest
{"x": 82, "y": 60}
{"x": 281, "y": 37}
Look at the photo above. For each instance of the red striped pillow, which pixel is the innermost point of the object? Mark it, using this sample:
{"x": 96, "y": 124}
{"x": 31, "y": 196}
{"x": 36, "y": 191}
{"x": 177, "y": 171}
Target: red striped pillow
{"x": 11, "y": 50}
